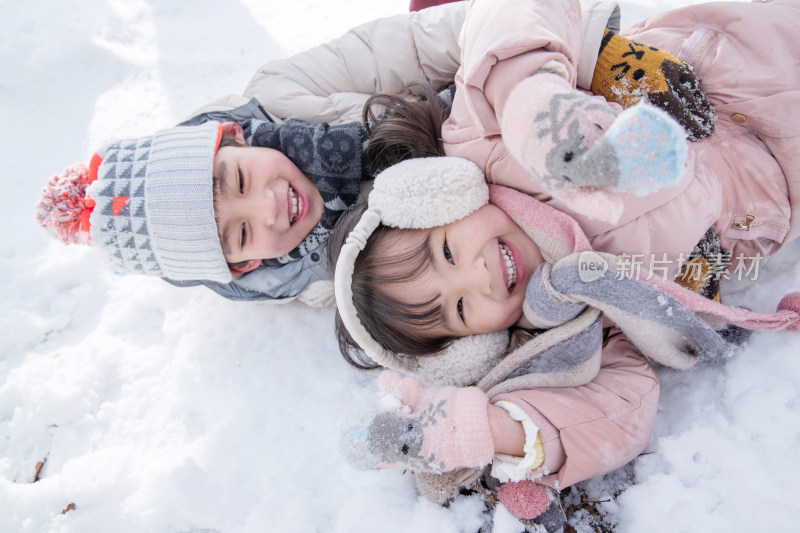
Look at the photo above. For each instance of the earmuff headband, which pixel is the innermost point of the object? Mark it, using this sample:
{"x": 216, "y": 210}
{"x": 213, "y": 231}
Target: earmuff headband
{"x": 343, "y": 288}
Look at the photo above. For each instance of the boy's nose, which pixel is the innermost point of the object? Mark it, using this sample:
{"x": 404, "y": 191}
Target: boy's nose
{"x": 266, "y": 207}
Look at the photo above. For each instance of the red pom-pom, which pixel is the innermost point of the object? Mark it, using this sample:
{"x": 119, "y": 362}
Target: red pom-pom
{"x": 524, "y": 499}
{"x": 63, "y": 208}
{"x": 791, "y": 302}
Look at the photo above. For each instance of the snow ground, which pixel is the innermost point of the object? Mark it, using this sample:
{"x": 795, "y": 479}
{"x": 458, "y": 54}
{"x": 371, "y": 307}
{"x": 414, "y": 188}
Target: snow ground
{"x": 173, "y": 410}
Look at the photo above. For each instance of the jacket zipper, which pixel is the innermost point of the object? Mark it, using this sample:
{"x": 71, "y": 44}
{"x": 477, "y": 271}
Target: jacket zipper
{"x": 703, "y": 48}
{"x": 749, "y": 223}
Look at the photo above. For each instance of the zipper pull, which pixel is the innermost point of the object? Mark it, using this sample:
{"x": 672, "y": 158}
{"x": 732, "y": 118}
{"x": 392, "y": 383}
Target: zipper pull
{"x": 745, "y": 224}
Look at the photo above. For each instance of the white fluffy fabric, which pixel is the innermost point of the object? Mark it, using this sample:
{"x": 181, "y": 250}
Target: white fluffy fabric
{"x": 464, "y": 362}
{"x": 428, "y": 192}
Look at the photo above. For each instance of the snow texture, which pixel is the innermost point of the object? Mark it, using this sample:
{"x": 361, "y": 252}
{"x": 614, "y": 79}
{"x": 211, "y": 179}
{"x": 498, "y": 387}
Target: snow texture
{"x": 173, "y": 410}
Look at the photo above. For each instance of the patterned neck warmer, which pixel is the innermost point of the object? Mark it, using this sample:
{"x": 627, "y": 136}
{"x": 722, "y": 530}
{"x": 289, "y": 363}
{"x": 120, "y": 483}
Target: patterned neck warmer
{"x": 332, "y": 157}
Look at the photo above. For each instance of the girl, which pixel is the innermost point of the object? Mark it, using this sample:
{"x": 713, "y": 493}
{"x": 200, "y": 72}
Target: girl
{"x": 600, "y": 415}
{"x": 466, "y": 270}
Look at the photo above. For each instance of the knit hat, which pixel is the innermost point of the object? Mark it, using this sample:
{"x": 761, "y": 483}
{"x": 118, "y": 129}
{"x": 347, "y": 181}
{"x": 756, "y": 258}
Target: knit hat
{"x": 148, "y": 202}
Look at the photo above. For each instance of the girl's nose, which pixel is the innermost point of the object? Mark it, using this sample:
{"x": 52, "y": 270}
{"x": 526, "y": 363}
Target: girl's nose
{"x": 480, "y": 277}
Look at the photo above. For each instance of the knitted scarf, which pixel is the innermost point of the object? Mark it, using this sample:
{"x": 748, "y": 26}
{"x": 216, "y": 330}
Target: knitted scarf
{"x": 332, "y": 157}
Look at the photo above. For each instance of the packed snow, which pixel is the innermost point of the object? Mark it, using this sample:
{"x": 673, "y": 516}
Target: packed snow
{"x": 160, "y": 409}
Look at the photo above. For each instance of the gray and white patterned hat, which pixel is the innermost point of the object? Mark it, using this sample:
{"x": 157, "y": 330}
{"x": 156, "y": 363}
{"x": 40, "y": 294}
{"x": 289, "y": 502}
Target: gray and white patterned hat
{"x": 153, "y": 201}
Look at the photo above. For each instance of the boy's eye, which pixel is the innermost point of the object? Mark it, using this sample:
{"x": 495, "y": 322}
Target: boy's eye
{"x": 241, "y": 182}
{"x": 460, "y": 308}
{"x": 243, "y": 240}
{"x": 447, "y": 254}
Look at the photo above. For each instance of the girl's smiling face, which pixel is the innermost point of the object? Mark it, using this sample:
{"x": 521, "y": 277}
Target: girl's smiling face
{"x": 478, "y": 272}
{"x": 265, "y": 205}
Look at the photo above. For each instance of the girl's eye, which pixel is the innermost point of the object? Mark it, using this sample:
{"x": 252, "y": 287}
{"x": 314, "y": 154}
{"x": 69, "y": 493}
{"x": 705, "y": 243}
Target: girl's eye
{"x": 241, "y": 183}
{"x": 243, "y": 240}
{"x": 447, "y": 254}
{"x": 460, "y": 308}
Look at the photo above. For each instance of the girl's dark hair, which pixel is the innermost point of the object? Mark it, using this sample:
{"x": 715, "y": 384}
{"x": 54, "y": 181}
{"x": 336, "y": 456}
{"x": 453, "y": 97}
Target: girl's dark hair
{"x": 404, "y": 125}
{"x": 396, "y": 325}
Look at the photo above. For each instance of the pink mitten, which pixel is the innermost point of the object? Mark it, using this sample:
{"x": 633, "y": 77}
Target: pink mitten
{"x": 585, "y": 151}
{"x": 424, "y": 429}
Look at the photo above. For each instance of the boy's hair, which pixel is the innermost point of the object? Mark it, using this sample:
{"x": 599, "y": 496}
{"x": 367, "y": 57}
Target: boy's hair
{"x": 396, "y": 325}
{"x": 404, "y": 125}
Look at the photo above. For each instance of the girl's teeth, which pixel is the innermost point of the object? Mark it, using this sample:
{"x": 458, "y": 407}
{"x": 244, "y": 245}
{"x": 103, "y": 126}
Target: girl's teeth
{"x": 511, "y": 267}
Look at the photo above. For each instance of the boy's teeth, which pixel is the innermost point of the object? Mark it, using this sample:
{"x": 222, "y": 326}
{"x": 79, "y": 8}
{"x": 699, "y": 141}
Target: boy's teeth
{"x": 511, "y": 266}
{"x": 297, "y": 205}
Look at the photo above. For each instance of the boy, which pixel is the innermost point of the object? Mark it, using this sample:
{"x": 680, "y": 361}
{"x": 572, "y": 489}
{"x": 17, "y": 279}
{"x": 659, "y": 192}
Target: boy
{"x": 199, "y": 204}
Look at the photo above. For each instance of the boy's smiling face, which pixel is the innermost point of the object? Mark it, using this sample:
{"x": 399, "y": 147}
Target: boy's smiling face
{"x": 265, "y": 206}
{"x": 479, "y": 271}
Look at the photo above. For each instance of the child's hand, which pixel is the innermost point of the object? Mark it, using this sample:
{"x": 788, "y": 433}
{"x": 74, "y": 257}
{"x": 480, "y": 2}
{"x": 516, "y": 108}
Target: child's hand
{"x": 627, "y": 73}
{"x": 647, "y": 146}
{"x": 424, "y": 429}
{"x": 584, "y": 151}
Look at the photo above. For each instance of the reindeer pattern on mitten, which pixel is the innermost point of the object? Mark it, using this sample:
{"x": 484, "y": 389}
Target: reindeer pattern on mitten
{"x": 580, "y": 142}
{"x": 571, "y": 125}
{"x": 397, "y": 438}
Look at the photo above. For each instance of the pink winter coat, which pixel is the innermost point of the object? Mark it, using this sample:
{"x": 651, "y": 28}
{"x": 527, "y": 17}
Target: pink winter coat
{"x": 598, "y": 427}
{"x": 748, "y": 167}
